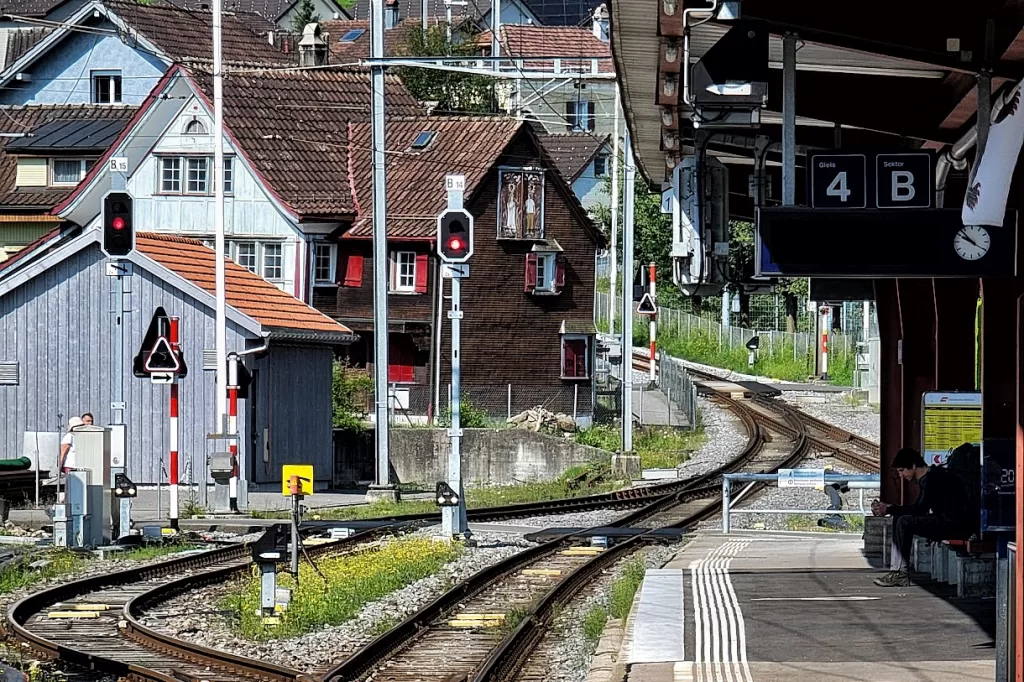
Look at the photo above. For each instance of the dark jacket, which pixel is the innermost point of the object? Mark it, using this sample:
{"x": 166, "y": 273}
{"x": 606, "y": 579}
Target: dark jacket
{"x": 942, "y": 493}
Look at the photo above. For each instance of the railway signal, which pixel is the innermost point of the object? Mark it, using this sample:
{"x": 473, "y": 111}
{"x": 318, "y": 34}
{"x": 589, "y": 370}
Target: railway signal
{"x": 118, "y": 228}
{"x": 455, "y": 235}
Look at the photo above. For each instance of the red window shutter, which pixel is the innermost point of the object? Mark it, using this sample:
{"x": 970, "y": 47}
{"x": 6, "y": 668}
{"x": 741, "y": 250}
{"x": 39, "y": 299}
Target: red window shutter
{"x": 569, "y": 361}
{"x": 559, "y": 272}
{"x": 354, "y": 270}
{"x": 401, "y": 368}
{"x": 530, "y": 282}
{"x": 581, "y": 359}
{"x": 590, "y": 115}
{"x": 421, "y": 273}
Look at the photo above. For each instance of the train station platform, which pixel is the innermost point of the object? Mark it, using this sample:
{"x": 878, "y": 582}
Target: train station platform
{"x": 797, "y": 607}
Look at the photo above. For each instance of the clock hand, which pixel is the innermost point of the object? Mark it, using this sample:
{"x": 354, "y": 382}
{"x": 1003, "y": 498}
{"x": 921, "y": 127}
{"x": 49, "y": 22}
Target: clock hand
{"x": 963, "y": 233}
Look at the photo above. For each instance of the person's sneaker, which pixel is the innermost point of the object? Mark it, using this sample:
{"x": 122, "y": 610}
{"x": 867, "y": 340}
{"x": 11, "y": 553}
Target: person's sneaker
{"x": 894, "y": 579}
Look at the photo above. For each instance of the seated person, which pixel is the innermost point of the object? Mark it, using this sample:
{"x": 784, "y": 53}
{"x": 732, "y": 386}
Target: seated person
{"x": 940, "y": 512}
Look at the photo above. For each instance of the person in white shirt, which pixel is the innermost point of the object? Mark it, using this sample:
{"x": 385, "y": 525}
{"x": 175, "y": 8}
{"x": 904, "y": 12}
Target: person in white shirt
{"x": 67, "y": 446}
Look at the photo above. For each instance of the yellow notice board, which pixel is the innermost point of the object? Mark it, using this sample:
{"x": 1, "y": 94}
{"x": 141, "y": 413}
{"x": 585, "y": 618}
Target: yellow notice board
{"x": 305, "y": 474}
{"x": 950, "y": 420}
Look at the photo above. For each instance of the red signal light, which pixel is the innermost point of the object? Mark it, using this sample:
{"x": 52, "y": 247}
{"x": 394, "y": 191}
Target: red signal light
{"x": 118, "y": 223}
{"x": 455, "y": 244}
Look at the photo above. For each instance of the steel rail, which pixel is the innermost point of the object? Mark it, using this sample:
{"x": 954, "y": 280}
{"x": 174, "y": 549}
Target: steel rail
{"x": 512, "y": 654}
{"x": 364, "y": 661}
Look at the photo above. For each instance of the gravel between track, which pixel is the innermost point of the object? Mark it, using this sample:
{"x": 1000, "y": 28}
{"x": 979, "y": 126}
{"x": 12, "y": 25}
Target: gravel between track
{"x": 195, "y": 616}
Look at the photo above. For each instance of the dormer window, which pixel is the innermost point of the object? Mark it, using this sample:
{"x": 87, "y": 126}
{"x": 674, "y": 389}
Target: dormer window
{"x": 545, "y": 269}
{"x": 69, "y": 172}
{"x": 195, "y": 127}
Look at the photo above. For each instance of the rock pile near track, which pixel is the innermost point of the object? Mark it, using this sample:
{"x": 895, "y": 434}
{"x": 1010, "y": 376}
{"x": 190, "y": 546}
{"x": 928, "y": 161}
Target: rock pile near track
{"x": 539, "y": 419}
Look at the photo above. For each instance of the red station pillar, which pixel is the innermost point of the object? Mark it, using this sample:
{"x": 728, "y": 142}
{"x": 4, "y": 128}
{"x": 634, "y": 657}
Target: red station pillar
{"x": 956, "y": 305}
{"x": 890, "y": 386}
{"x": 1017, "y": 609}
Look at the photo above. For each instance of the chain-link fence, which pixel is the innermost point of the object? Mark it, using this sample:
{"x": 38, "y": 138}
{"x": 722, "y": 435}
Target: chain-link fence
{"x": 675, "y": 383}
{"x": 492, "y": 405}
{"x": 779, "y": 354}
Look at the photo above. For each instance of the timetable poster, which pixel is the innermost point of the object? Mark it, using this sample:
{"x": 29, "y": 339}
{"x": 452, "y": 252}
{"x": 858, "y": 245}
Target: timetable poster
{"x": 950, "y": 420}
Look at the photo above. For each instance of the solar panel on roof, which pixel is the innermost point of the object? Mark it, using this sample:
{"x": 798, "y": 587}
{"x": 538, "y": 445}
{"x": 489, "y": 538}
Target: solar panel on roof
{"x": 352, "y": 36}
{"x": 423, "y": 139}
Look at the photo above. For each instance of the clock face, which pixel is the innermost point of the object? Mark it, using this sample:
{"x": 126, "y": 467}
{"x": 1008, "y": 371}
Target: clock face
{"x": 972, "y": 242}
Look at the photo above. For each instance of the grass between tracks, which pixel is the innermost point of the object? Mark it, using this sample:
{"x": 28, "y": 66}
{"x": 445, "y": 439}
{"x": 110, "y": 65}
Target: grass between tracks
{"x": 18, "y": 573}
{"x": 348, "y": 582}
{"x": 580, "y": 480}
{"x": 620, "y": 601}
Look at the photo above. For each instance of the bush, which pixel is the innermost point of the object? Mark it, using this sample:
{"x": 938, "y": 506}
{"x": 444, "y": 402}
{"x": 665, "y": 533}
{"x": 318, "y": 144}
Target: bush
{"x": 593, "y": 624}
{"x": 349, "y": 390}
{"x": 620, "y": 601}
{"x": 470, "y": 417}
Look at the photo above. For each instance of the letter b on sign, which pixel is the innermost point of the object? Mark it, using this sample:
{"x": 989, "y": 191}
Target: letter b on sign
{"x": 904, "y": 180}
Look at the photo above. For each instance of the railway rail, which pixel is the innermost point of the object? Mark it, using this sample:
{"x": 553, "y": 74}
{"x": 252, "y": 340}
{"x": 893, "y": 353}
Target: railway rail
{"x": 112, "y": 639}
{"x": 93, "y": 622}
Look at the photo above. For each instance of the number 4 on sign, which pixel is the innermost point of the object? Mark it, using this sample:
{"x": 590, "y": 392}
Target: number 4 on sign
{"x": 838, "y": 187}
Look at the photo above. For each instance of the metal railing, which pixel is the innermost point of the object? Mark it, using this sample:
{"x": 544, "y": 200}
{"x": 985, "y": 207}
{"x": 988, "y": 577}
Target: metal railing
{"x": 675, "y": 383}
{"x": 854, "y": 481}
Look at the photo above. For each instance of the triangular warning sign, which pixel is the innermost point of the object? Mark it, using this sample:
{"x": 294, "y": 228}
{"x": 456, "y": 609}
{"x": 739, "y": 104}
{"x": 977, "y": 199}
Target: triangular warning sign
{"x": 646, "y": 305}
{"x": 162, "y": 358}
{"x": 159, "y": 326}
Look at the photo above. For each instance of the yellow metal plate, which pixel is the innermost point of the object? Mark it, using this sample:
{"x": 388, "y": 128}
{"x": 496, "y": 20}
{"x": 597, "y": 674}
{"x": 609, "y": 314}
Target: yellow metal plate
{"x": 305, "y": 474}
{"x": 73, "y": 614}
{"x": 481, "y": 616}
{"x": 541, "y": 571}
{"x": 271, "y": 620}
{"x": 474, "y": 623}
{"x": 88, "y": 607}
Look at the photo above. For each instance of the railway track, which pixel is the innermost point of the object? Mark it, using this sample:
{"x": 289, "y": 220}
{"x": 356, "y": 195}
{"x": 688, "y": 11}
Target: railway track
{"x": 457, "y": 636}
{"x": 111, "y": 638}
{"x": 93, "y": 623}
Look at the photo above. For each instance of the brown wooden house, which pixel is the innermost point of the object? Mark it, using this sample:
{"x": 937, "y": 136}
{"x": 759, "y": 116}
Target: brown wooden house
{"x": 528, "y": 334}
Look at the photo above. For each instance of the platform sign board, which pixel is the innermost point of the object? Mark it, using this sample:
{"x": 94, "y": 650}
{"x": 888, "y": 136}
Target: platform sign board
{"x": 839, "y": 180}
{"x": 802, "y": 478}
{"x": 904, "y": 180}
{"x": 998, "y": 485}
{"x": 948, "y": 421}
{"x": 804, "y": 242}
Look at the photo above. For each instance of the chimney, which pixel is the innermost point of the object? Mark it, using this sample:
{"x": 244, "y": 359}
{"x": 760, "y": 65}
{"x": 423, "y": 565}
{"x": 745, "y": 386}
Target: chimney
{"x": 600, "y": 25}
{"x": 391, "y": 14}
{"x": 312, "y": 48}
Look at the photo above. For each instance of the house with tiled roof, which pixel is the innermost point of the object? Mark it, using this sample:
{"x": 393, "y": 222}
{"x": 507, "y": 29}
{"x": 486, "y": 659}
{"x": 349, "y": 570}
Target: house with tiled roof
{"x": 298, "y": 214}
{"x": 45, "y": 151}
{"x": 57, "y": 353}
{"x": 287, "y": 177}
{"x": 585, "y": 161}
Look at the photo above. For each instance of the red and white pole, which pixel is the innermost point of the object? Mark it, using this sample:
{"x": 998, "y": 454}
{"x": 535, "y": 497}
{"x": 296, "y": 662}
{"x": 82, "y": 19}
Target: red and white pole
{"x": 233, "y": 428}
{"x": 824, "y": 342}
{"x": 174, "y": 432}
{"x": 653, "y": 323}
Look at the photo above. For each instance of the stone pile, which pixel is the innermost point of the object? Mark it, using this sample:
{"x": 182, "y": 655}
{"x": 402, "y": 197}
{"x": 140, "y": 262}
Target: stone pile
{"x": 539, "y": 419}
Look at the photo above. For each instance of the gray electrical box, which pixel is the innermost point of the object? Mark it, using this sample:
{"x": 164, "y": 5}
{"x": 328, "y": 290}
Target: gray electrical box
{"x": 700, "y": 228}
{"x": 92, "y": 453}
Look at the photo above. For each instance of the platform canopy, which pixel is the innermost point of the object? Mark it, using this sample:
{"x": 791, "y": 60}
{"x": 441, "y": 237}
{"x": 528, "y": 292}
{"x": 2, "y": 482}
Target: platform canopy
{"x": 896, "y": 74}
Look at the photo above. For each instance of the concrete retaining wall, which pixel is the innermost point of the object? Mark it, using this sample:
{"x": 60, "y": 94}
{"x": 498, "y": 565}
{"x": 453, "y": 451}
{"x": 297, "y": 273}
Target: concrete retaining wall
{"x": 489, "y": 456}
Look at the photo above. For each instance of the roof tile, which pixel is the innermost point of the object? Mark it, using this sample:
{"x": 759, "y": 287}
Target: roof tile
{"x": 415, "y": 180}
{"x": 26, "y": 119}
{"x": 572, "y": 152}
{"x": 563, "y": 42}
{"x": 298, "y": 137}
{"x": 244, "y": 291}
{"x": 21, "y": 40}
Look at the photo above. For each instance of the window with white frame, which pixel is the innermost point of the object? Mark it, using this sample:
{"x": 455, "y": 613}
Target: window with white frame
{"x": 198, "y": 173}
{"x": 403, "y": 271}
{"x": 545, "y": 272}
{"x": 68, "y": 172}
{"x": 273, "y": 262}
{"x": 170, "y": 175}
{"x": 245, "y": 255}
{"x": 575, "y": 357}
{"x": 106, "y": 87}
{"x": 323, "y": 263}
{"x": 195, "y": 127}
{"x": 229, "y": 176}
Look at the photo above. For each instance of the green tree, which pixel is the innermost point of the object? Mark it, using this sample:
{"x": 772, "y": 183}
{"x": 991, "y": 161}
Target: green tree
{"x": 451, "y": 90}
{"x": 349, "y": 390}
{"x": 305, "y": 14}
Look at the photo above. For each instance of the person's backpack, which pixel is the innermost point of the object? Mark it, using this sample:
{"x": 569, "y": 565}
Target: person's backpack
{"x": 965, "y": 463}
